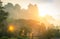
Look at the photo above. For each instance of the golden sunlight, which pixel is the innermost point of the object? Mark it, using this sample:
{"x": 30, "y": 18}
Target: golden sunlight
{"x": 11, "y": 28}
{"x": 42, "y": 11}
{"x": 42, "y": 14}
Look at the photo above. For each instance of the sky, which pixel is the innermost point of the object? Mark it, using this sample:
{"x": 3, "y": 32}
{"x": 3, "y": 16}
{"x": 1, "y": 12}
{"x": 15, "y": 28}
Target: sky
{"x": 50, "y": 7}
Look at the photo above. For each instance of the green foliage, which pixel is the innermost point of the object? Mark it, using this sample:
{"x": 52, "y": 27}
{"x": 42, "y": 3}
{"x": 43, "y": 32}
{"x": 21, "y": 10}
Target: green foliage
{"x": 12, "y": 38}
{"x": 53, "y": 33}
{"x": 22, "y": 37}
{"x": 3, "y": 22}
{"x": 4, "y": 37}
{"x": 3, "y": 15}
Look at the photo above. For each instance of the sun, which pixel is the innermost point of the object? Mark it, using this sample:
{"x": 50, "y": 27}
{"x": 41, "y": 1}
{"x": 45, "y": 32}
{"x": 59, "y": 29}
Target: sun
{"x": 42, "y": 14}
{"x": 11, "y": 28}
{"x": 42, "y": 11}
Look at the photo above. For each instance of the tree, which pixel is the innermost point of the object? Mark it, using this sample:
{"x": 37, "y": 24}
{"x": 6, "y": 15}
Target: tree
{"x": 3, "y": 17}
{"x": 24, "y": 31}
{"x": 53, "y": 33}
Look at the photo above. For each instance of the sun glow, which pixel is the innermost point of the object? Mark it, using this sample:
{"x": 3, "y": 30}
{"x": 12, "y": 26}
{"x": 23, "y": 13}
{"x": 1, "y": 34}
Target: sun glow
{"x": 42, "y": 11}
{"x": 11, "y": 28}
{"x": 42, "y": 14}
